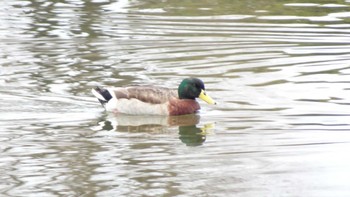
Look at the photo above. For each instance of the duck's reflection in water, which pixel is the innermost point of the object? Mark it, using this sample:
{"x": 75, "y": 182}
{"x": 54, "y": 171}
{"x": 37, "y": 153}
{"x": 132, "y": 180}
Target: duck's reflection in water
{"x": 189, "y": 132}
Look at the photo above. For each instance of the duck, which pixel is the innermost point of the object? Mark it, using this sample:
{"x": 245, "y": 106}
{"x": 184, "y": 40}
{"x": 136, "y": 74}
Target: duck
{"x": 154, "y": 100}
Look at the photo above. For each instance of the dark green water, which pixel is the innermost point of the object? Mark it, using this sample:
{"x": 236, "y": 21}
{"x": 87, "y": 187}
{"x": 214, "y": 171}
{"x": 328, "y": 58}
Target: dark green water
{"x": 279, "y": 70}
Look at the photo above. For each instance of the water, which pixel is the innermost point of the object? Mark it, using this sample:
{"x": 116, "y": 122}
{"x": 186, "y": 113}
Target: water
{"x": 279, "y": 70}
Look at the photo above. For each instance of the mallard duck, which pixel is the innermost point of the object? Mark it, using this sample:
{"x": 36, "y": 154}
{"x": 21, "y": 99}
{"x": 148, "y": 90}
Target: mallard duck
{"x": 151, "y": 100}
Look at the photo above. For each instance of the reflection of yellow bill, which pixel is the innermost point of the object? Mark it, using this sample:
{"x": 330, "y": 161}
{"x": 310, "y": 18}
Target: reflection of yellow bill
{"x": 207, "y": 129}
{"x": 206, "y": 98}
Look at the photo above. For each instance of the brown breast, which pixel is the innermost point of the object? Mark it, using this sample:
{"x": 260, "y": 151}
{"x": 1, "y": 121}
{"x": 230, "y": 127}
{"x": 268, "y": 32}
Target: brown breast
{"x": 182, "y": 106}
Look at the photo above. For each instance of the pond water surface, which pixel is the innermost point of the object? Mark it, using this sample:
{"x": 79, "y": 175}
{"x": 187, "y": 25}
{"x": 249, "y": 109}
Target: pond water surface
{"x": 279, "y": 70}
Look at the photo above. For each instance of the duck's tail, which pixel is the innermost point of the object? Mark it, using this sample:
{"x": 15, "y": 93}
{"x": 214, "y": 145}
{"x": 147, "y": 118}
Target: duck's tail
{"x": 101, "y": 94}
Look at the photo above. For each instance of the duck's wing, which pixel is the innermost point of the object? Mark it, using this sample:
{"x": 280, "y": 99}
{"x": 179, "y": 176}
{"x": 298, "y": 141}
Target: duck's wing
{"x": 147, "y": 94}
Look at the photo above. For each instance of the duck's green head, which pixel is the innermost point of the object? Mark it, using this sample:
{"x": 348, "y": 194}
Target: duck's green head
{"x": 192, "y": 88}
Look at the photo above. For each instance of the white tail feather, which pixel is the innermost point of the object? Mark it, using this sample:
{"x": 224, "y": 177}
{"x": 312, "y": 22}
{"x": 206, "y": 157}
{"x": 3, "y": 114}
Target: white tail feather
{"x": 97, "y": 95}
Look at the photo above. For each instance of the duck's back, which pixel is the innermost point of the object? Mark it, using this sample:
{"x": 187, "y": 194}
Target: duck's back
{"x": 146, "y": 94}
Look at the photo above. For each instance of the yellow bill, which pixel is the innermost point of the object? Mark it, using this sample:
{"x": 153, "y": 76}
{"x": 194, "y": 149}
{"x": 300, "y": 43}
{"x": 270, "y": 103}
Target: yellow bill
{"x": 206, "y": 98}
